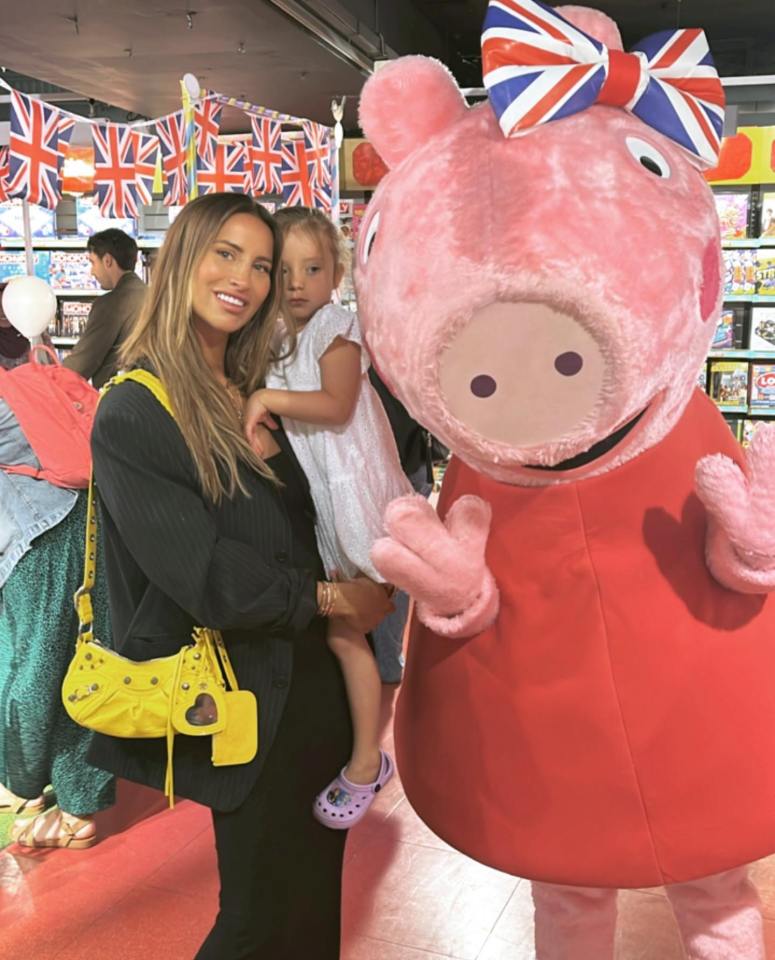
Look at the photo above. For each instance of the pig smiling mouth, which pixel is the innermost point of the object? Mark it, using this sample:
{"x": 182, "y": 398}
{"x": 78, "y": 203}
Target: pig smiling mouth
{"x": 595, "y": 451}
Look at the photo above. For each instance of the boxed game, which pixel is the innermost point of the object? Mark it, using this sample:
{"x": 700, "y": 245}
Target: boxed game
{"x": 762, "y": 329}
{"x": 13, "y": 263}
{"x": 89, "y": 220}
{"x": 73, "y": 317}
{"x": 749, "y": 429}
{"x": 729, "y": 330}
{"x": 767, "y": 228}
{"x": 733, "y": 210}
{"x": 740, "y": 272}
{"x": 71, "y": 270}
{"x": 729, "y": 383}
{"x": 42, "y": 220}
{"x": 765, "y": 273}
{"x": 763, "y": 386}
{"x": 735, "y": 424}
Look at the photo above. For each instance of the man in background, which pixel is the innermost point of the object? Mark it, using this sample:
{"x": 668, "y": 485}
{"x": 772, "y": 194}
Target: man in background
{"x": 113, "y": 255}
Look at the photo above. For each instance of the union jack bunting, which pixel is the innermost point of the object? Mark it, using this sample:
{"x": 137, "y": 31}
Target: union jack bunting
{"x": 266, "y": 156}
{"x": 33, "y": 155}
{"x": 227, "y": 173}
{"x": 3, "y": 172}
{"x": 172, "y": 137}
{"x": 66, "y": 127}
{"x": 538, "y": 67}
{"x": 297, "y": 189}
{"x": 207, "y": 121}
{"x": 146, "y": 147}
{"x": 318, "y": 140}
{"x": 114, "y": 170}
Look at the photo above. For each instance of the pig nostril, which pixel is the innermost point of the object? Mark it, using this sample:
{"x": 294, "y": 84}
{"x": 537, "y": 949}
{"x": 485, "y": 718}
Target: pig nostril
{"x": 483, "y": 386}
{"x": 568, "y": 364}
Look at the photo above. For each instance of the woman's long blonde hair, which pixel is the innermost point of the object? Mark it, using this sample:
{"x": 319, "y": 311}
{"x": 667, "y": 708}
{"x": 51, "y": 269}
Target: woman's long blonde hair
{"x": 164, "y": 338}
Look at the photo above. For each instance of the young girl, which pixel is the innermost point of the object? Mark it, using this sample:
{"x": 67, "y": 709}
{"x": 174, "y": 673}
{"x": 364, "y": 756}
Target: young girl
{"x": 342, "y": 438}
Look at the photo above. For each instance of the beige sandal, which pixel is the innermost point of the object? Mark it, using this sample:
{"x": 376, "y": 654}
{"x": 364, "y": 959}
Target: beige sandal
{"x": 72, "y": 833}
{"x": 10, "y": 803}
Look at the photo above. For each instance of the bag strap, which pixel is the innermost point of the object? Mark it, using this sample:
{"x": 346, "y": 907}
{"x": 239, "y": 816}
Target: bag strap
{"x": 82, "y": 599}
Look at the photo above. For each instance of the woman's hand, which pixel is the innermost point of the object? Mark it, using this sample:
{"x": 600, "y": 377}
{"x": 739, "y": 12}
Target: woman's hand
{"x": 362, "y": 603}
{"x": 257, "y": 415}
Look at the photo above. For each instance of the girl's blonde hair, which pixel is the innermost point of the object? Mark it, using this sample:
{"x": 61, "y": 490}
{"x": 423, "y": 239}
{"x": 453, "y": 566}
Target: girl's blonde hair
{"x": 322, "y": 229}
{"x": 164, "y": 337}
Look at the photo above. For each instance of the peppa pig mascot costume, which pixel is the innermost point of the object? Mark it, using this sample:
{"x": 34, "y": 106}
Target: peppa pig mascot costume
{"x": 589, "y": 699}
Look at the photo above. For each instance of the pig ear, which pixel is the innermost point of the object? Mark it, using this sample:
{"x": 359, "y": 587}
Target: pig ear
{"x": 593, "y": 22}
{"x": 406, "y": 103}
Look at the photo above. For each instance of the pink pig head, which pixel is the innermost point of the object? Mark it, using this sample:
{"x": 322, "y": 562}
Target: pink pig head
{"x": 542, "y": 303}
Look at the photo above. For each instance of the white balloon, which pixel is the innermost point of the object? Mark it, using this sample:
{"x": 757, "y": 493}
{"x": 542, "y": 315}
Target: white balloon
{"x": 191, "y": 84}
{"x": 30, "y": 304}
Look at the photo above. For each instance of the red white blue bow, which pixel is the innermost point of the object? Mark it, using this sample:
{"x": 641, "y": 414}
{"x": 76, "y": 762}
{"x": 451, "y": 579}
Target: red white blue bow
{"x": 538, "y": 67}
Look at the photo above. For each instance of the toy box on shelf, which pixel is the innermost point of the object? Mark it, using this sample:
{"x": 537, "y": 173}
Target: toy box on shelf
{"x": 740, "y": 371}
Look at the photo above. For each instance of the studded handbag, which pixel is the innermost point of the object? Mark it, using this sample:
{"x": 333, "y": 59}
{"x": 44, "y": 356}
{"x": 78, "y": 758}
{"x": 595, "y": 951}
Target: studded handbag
{"x": 185, "y": 693}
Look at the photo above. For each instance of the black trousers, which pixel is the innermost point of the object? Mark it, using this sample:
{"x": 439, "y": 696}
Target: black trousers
{"x": 280, "y": 870}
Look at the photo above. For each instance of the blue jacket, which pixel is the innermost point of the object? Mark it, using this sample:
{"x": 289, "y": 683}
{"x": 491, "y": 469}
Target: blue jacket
{"x": 28, "y": 507}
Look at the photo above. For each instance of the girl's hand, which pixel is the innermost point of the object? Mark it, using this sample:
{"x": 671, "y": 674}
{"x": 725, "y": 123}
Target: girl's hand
{"x": 257, "y": 414}
{"x": 362, "y": 603}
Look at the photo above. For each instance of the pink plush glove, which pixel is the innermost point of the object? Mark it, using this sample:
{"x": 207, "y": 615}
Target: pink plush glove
{"x": 441, "y": 565}
{"x": 741, "y": 505}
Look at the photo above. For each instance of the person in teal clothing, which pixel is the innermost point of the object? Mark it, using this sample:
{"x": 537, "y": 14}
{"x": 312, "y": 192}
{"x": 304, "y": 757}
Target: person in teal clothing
{"x": 41, "y": 564}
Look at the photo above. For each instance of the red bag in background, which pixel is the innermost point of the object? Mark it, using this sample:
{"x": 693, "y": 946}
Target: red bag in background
{"x": 55, "y": 409}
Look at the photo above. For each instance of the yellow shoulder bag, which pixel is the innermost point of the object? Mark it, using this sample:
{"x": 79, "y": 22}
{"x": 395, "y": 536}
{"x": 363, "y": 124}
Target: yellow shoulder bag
{"x": 184, "y": 693}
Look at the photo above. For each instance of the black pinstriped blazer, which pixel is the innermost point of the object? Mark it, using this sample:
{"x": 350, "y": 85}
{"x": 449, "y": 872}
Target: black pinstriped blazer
{"x": 173, "y": 561}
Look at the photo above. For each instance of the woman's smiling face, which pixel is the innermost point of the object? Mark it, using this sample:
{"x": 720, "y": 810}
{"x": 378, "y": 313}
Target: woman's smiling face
{"x": 233, "y": 278}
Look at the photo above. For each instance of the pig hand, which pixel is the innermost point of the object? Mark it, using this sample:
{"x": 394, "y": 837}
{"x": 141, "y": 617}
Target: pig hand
{"x": 741, "y": 506}
{"x": 441, "y": 565}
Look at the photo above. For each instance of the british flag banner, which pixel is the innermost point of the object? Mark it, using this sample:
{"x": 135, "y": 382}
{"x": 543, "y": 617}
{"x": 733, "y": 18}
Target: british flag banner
{"x": 114, "y": 170}
{"x": 228, "y": 172}
{"x": 146, "y": 147}
{"x": 538, "y": 67}
{"x": 266, "y": 156}
{"x": 296, "y": 172}
{"x": 3, "y": 172}
{"x": 318, "y": 140}
{"x": 34, "y": 150}
{"x": 172, "y": 138}
{"x": 207, "y": 122}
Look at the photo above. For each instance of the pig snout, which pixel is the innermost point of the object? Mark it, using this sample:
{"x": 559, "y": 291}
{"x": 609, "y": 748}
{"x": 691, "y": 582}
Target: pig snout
{"x": 522, "y": 373}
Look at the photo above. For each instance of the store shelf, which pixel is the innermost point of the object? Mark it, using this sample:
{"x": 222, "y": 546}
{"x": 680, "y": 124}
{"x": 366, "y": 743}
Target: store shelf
{"x": 749, "y": 298}
{"x": 761, "y": 412}
{"x": 742, "y": 354}
{"x": 751, "y": 242}
{"x": 729, "y": 409}
{"x": 69, "y": 243}
{"x": 78, "y": 292}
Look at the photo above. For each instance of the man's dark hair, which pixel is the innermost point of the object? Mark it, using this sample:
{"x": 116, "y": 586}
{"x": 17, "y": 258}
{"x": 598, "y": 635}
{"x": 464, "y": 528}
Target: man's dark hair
{"x": 118, "y": 244}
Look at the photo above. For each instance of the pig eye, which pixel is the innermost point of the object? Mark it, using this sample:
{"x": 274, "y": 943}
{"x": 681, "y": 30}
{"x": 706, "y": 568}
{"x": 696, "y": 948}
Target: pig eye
{"x": 483, "y": 386}
{"x": 568, "y": 364}
{"x": 649, "y": 157}
{"x": 369, "y": 237}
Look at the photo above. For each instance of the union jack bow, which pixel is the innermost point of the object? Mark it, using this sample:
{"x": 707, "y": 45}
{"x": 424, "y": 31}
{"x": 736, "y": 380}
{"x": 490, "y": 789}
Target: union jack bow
{"x": 538, "y": 67}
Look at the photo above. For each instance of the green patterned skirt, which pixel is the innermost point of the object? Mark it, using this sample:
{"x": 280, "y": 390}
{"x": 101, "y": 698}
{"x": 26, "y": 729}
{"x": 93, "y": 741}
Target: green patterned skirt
{"x": 39, "y": 743}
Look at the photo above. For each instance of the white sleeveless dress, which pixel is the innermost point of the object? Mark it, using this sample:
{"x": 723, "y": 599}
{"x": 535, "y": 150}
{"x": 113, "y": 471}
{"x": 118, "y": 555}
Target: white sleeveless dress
{"x": 353, "y": 470}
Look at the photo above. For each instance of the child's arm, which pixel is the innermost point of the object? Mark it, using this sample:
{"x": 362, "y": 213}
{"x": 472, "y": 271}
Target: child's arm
{"x": 331, "y": 406}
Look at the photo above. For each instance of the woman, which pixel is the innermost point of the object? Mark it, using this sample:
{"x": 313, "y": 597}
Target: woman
{"x": 199, "y": 530}
{"x": 41, "y": 564}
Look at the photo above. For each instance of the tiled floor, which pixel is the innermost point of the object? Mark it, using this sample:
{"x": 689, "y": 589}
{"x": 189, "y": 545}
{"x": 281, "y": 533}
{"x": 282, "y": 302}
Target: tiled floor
{"x": 148, "y": 891}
